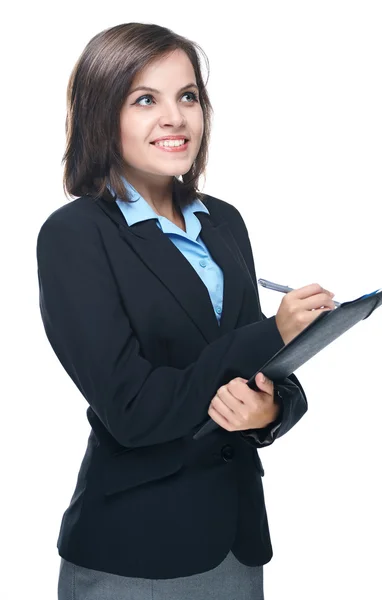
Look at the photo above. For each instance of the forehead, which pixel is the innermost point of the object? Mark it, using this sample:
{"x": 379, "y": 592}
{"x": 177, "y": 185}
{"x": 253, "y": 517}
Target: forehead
{"x": 172, "y": 69}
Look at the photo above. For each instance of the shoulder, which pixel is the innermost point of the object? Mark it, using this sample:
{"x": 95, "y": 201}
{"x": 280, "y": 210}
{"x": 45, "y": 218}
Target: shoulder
{"x": 75, "y": 219}
{"x": 80, "y": 208}
{"x": 227, "y": 212}
{"x": 75, "y": 213}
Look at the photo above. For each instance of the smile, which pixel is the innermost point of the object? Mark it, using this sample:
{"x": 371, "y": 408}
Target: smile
{"x": 171, "y": 145}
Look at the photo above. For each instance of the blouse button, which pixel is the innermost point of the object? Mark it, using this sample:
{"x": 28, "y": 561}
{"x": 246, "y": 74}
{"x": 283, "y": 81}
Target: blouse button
{"x": 203, "y": 263}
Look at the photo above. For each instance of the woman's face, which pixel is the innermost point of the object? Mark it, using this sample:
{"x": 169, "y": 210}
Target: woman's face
{"x": 172, "y": 110}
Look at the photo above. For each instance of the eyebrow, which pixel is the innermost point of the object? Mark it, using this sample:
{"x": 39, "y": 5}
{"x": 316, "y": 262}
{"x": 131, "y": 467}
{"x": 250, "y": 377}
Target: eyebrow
{"x": 150, "y": 89}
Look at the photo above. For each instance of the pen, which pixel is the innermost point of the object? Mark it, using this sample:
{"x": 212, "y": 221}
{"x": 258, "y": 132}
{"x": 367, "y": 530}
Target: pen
{"x": 282, "y": 288}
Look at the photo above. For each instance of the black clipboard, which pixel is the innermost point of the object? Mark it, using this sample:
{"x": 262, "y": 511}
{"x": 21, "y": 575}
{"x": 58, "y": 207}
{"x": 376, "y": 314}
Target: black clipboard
{"x": 328, "y": 326}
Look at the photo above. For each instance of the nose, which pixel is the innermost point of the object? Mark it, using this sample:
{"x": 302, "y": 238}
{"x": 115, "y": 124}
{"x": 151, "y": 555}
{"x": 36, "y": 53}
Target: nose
{"x": 172, "y": 116}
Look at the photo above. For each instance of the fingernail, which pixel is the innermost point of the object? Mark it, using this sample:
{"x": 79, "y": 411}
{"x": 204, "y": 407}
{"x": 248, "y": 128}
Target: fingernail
{"x": 262, "y": 379}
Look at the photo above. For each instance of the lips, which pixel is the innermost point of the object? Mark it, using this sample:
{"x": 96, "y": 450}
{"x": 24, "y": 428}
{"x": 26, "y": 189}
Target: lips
{"x": 171, "y": 149}
{"x": 171, "y": 140}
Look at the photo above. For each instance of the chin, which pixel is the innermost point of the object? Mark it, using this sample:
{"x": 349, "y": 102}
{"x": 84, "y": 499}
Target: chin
{"x": 175, "y": 171}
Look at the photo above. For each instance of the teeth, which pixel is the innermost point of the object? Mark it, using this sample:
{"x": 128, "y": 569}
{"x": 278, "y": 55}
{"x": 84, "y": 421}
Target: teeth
{"x": 171, "y": 143}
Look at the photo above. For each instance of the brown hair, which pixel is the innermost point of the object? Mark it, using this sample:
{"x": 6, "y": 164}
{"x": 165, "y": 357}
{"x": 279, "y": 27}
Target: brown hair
{"x": 97, "y": 89}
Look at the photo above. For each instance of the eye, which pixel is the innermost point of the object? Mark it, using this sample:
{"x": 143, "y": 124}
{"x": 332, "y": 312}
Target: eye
{"x": 149, "y": 96}
{"x": 194, "y": 98}
{"x": 193, "y": 94}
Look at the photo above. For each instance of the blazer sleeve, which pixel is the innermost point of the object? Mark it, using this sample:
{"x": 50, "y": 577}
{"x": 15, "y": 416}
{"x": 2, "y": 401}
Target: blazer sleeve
{"x": 289, "y": 392}
{"x": 89, "y": 330}
{"x": 292, "y": 399}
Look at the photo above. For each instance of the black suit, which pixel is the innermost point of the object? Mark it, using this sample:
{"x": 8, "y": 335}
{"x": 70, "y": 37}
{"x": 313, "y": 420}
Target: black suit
{"x": 133, "y": 325}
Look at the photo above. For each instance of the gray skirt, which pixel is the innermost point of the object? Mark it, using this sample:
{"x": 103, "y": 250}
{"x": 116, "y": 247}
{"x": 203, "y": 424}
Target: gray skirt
{"x": 230, "y": 580}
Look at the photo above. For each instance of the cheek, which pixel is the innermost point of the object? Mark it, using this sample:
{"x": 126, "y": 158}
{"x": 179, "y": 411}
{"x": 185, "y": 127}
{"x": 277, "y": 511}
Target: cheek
{"x": 128, "y": 128}
{"x": 132, "y": 132}
{"x": 199, "y": 123}
{"x": 125, "y": 132}
{"x": 196, "y": 125}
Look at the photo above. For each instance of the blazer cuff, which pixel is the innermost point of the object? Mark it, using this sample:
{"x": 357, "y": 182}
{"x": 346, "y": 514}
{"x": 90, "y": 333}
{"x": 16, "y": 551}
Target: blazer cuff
{"x": 266, "y": 435}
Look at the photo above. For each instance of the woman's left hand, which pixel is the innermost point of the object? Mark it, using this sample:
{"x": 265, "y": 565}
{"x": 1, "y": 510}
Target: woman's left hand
{"x": 236, "y": 407}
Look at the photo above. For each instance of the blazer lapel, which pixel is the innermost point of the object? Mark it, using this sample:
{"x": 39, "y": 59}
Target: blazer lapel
{"x": 221, "y": 245}
{"x": 167, "y": 263}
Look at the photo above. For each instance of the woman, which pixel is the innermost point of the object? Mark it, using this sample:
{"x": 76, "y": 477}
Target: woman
{"x": 149, "y": 299}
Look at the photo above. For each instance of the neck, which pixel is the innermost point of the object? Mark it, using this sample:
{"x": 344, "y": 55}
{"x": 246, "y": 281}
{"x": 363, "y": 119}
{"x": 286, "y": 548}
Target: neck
{"x": 156, "y": 190}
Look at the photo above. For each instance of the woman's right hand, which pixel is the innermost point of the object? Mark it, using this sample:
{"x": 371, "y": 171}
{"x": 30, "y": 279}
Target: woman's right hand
{"x": 300, "y": 307}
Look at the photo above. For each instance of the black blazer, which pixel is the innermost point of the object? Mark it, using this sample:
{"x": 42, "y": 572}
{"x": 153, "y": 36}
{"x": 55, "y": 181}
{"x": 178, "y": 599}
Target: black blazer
{"x": 133, "y": 325}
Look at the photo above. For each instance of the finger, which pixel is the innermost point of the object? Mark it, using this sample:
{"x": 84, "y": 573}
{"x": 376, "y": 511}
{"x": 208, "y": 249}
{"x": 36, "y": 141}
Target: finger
{"x": 240, "y": 407}
{"x": 225, "y": 411}
{"x": 317, "y": 311}
{"x": 308, "y": 290}
{"x": 239, "y": 390}
{"x": 266, "y": 385}
{"x": 215, "y": 416}
{"x": 229, "y": 398}
{"x": 319, "y": 300}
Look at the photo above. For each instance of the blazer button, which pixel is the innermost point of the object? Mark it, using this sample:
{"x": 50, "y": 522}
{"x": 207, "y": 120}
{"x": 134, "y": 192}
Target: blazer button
{"x": 227, "y": 453}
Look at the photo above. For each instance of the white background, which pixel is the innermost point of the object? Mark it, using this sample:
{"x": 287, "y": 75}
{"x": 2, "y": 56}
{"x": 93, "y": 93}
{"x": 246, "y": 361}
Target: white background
{"x": 296, "y": 147}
